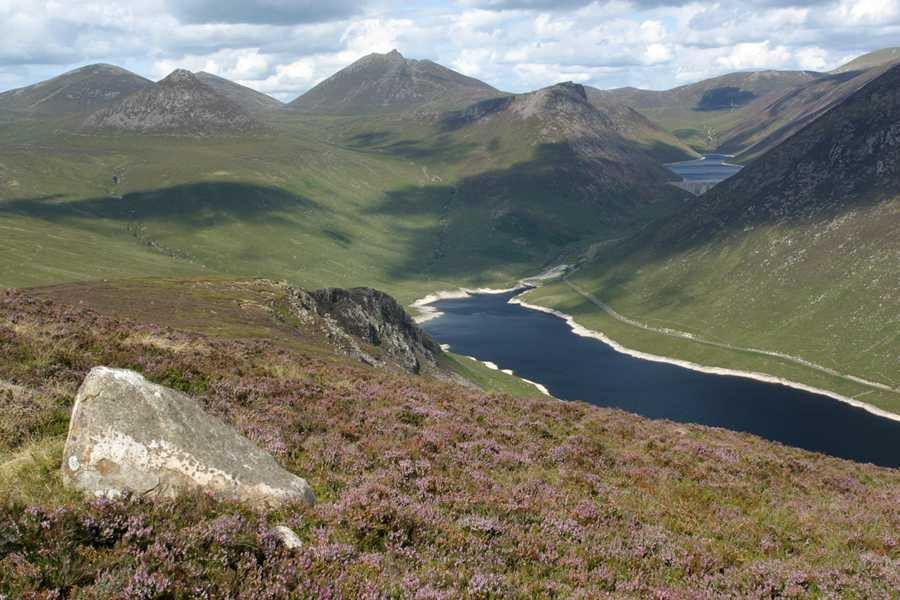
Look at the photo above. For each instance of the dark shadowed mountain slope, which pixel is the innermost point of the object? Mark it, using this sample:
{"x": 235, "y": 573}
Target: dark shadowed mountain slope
{"x": 700, "y": 112}
{"x": 847, "y": 157}
{"x": 249, "y": 99}
{"x": 796, "y": 254}
{"x": 383, "y": 83}
{"x": 631, "y": 124}
{"x": 775, "y": 117}
{"x": 718, "y": 93}
{"x": 82, "y": 90}
{"x": 541, "y": 172}
{"x": 181, "y": 105}
{"x": 563, "y": 114}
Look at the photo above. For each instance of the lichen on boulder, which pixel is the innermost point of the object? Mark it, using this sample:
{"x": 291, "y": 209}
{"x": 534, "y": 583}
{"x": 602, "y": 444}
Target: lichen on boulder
{"x": 127, "y": 433}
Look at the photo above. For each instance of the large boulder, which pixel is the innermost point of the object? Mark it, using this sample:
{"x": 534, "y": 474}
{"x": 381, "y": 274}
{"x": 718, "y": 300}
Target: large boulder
{"x": 128, "y": 433}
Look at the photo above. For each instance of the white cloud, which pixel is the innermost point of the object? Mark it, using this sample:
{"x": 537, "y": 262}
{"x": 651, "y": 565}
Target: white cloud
{"x": 283, "y": 47}
{"x": 761, "y": 55}
{"x": 813, "y": 59}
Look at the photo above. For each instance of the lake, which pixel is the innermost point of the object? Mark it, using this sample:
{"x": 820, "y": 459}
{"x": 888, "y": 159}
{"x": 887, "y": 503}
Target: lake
{"x": 712, "y": 168}
{"x": 542, "y": 348}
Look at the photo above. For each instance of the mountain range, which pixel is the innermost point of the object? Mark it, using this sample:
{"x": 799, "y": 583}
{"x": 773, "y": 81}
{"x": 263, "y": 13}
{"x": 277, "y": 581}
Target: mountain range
{"x": 749, "y": 113}
{"x": 172, "y": 229}
{"x": 404, "y": 175}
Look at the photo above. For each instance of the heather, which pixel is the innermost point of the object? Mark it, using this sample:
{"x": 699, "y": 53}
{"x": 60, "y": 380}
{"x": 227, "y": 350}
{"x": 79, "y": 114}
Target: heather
{"x": 426, "y": 489}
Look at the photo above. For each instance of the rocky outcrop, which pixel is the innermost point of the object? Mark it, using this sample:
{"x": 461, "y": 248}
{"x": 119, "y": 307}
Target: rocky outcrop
{"x": 369, "y": 325}
{"x": 129, "y": 434}
{"x": 180, "y": 105}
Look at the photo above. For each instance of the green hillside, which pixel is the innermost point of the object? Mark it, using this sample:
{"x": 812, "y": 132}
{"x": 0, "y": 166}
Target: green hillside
{"x": 406, "y": 202}
{"x": 797, "y": 254}
{"x": 700, "y": 113}
{"x": 749, "y": 113}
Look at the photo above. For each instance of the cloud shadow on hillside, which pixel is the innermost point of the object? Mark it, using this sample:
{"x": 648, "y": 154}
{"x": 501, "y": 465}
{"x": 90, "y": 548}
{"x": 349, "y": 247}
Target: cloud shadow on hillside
{"x": 437, "y": 148}
{"x": 196, "y": 205}
{"x": 524, "y": 215}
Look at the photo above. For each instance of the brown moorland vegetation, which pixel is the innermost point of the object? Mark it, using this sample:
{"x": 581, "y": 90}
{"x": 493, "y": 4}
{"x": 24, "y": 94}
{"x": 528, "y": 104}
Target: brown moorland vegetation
{"x": 426, "y": 489}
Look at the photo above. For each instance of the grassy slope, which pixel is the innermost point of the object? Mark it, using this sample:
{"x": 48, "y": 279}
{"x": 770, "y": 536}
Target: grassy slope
{"x": 777, "y": 104}
{"x": 422, "y": 486}
{"x": 775, "y": 117}
{"x": 801, "y": 264}
{"x": 391, "y": 202}
{"x": 719, "y": 104}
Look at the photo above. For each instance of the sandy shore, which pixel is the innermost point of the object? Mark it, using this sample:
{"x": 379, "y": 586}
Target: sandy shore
{"x": 578, "y": 329}
{"x": 425, "y": 312}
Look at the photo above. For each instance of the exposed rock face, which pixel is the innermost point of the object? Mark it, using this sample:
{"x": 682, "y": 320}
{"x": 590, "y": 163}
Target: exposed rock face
{"x": 369, "y": 325}
{"x": 389, "y": 82}
{"x": 180, "y": 104}
{"x": 128, "y": 433}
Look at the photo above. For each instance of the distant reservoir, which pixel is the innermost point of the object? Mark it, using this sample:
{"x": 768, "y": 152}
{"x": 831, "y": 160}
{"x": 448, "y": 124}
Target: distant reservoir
{"x": 697, "y": 176}
{"x": 542, "y": 348}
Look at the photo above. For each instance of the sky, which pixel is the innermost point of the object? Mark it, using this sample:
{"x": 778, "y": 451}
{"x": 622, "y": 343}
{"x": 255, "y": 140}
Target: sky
{"x": 284, "y": 47}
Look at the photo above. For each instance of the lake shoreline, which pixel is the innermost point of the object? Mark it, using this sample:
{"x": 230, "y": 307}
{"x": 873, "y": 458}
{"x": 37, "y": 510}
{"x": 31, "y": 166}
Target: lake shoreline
{"x": 427, "y": 313}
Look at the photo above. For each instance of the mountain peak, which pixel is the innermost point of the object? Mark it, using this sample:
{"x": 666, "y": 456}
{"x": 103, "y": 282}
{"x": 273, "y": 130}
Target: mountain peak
{"x": 180, "y": 76}
{"x": 180, "y": 104}
{"x": 80, "y": 90}
{"x": 382, "y": 83}
{"x": 570, "y": 88}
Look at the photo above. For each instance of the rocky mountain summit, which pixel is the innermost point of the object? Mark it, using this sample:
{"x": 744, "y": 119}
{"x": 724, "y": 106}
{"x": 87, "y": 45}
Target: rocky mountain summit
{"x": 381, "y": 83}
{"x": 81, "y": 90}
{"x": 181, "y": 105}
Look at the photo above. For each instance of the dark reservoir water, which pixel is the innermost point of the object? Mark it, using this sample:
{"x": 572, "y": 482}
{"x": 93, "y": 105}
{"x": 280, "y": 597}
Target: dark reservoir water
{"x": 542, "y": 348}
{"x": 712, "y": 168}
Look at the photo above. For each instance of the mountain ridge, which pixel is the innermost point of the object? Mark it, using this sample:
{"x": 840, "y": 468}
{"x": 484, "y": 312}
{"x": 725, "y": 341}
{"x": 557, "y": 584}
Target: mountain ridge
{"x": 179, "y": 104}
{"x": 249, "y": 99}
{"x": 797, "y": 253}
